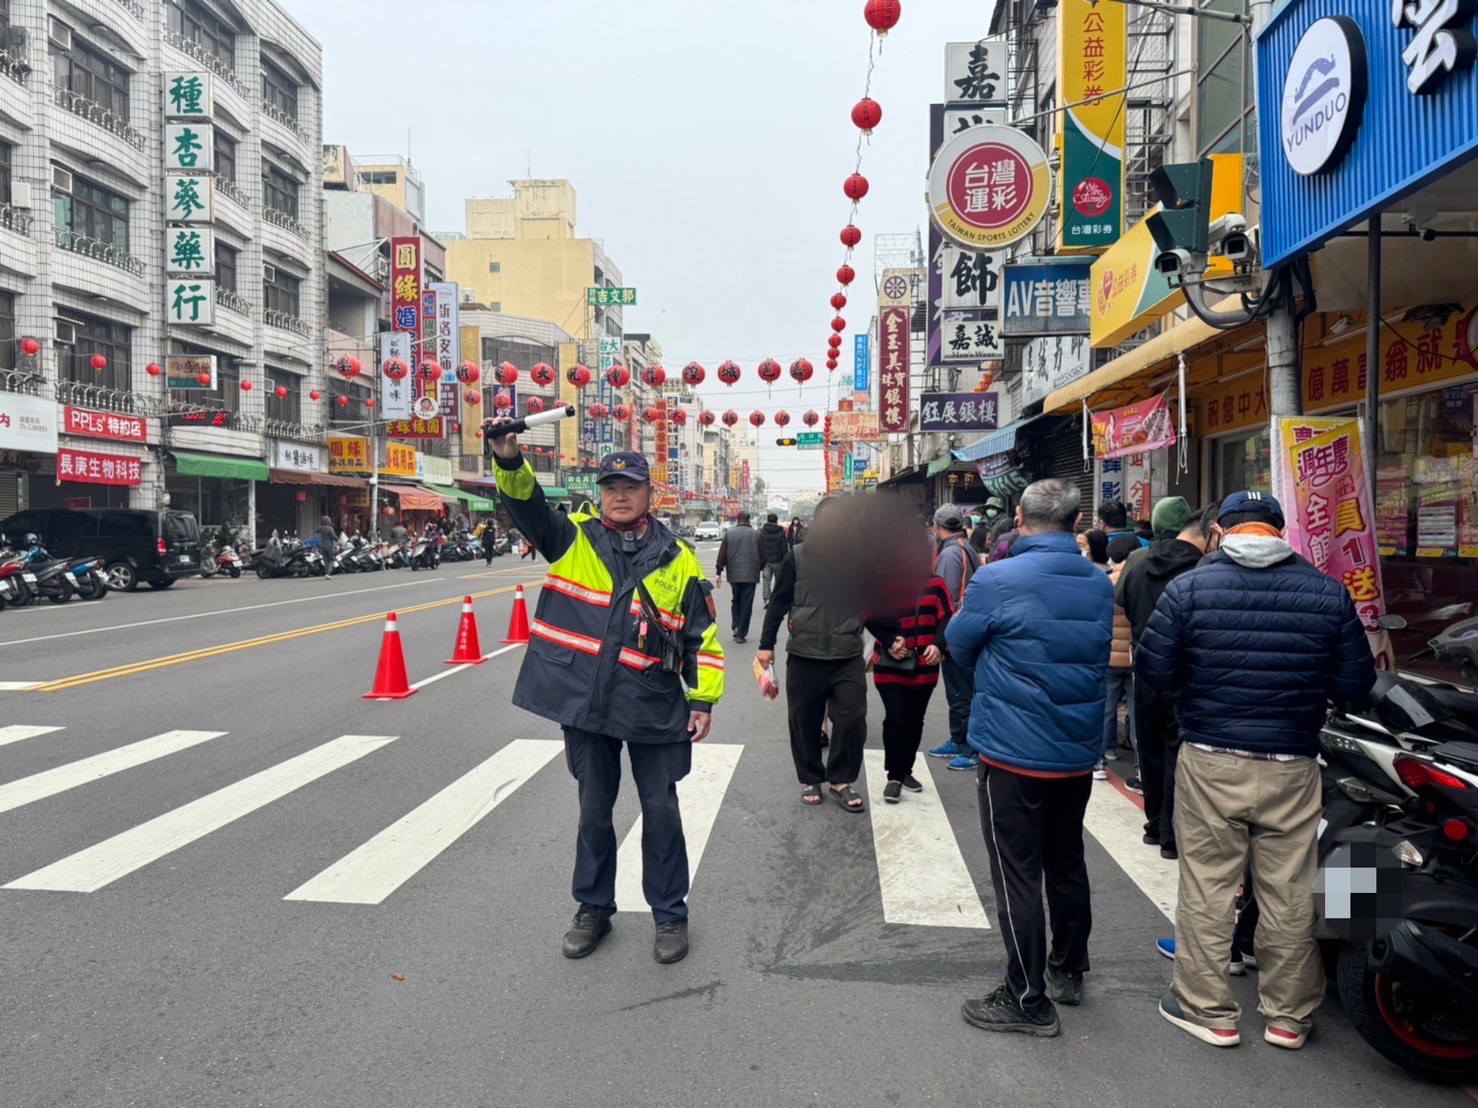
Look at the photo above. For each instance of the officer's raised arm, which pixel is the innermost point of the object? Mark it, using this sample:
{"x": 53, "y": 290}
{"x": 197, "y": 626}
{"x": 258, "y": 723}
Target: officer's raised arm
{"x": 550, "y": 531}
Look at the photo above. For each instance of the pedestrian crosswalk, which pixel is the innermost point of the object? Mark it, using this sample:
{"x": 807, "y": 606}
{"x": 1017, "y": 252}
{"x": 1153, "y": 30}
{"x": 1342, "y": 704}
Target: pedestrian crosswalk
{"x": 922, "y": 880}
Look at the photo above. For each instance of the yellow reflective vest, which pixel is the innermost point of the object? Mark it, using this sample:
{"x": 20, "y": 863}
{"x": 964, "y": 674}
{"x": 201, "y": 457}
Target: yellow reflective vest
{"x": 591, "y": 664}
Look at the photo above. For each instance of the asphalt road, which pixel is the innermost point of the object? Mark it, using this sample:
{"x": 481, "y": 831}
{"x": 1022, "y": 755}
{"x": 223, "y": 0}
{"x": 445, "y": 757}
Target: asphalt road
{"x": 232, "y": 881}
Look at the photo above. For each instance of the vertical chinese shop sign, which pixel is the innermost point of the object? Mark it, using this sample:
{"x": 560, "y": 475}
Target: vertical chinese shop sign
{"x": 405, "y": 295}
{"x": 1330, "y": 521}
{"x": 1092, "y": 61}
{"x": 893, "y": 367}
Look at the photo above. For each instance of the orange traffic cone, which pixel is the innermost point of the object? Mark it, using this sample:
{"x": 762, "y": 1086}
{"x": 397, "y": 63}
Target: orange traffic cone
{"x": 469, "y": 648}
{"x": 391, "y": 680}
{"x": 518, "y": 623}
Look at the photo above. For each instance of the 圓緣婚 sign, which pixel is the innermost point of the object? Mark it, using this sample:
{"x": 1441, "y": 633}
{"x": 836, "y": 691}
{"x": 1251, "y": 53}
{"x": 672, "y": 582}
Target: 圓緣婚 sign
{"x": 959, "y": 411}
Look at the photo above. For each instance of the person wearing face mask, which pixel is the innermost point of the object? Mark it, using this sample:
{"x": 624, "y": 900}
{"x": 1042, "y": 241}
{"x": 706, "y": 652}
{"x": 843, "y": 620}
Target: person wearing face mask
{"x": 993, "y": 523}
{"x": 623, "y": 650}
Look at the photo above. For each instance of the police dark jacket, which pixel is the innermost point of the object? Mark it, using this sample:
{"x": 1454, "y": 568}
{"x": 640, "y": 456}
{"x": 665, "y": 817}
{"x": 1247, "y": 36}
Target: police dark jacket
{"x": 588, "y": 665}
{"x": 1255, "y": 641}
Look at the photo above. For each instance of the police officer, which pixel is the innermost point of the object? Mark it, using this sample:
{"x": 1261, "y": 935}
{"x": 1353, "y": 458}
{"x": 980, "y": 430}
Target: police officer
{"x": 623, "y": 649}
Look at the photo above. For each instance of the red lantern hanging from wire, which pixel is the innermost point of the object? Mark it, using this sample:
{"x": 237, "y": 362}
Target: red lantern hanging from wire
{"x": 204, "y": 379}
{"x": 693, "y": 374}
{"x": 543, "y": 375}
{"x": 246, "y": 386}
{"x": 429, "y": 370}
{"x": 678, "y": 416}
{"x": 502, "y": 401}
{"x": 349, "y": 365}
{"x": 867, "y": 114}
{"x": 506, "y": 373}
{"x": 769, "y": 371}
{"x": 621, "y": 412}
{"x": 343, "y": 401}
{"x": 851, "y": 236}
{"x": 30, "y": 347}
{"x": 846, "y": 275}
{"x": 855, "y": 187}
{"x": 370, "y": 402}
{"x": 281, "y": 392}
{"x": 731, "y": 417}
{"x": 801, "y": 370}
{"x": 153, "y": 369}
{"x": 882, "y": 15}
{"x": 757, "y": 418}
{"x": 782, "y": 418}
{"x": 834, "y": 342}
{"x": 708, "y": 417}
{"x": 315, "y": 395}
{"x": 654, "y": 376}
{"x": 838, "y": 324}
{"x": 618, "y": 376}
{"x": 838, "y": 300}
{"x": 810, "y": 419}
{"x": 472, "y": 398}
{"x": 651, "y": 415}
{"x": 395, "y": 369}
{"x": 534, "y": 405}
{"x": 595, "y": 411}
{"x": 831, "y": 364}
{"x": 99, "y": 362}
{"x": 469, "y": 373}
{"x": 728, "y": 373}
{"x": 578, "y": 376}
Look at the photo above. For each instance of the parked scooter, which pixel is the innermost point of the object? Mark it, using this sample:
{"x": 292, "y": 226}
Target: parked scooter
{"x": 288, "y": 558}
{"x": 16, "y": 580}
{"x": 225, "y": 560}
{"x": 91, "y": 577}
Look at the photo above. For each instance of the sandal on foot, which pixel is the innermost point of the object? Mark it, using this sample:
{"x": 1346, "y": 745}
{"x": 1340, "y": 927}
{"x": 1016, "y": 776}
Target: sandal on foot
{"x": 811, "y": 795}
{"x": 847, "y": 798}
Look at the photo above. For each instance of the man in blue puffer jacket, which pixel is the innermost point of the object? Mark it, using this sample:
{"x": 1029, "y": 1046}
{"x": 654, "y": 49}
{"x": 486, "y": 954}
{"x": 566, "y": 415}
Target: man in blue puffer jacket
{"x": 1036, "y": 629}
{"x": 1256, "y": 641}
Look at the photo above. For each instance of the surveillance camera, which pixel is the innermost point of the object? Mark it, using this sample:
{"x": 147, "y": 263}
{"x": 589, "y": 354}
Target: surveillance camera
{"x": 1429, "y": 234}
{"x": 1173, "y": 263}
{"x": 1225, "y": 227}
{"x": 1237, "y": 246}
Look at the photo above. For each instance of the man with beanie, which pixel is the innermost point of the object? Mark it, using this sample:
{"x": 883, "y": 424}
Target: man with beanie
{"x": 1256, "y": 641}
{"x": 774, "y": 546}
{"x": 955, "y": 563}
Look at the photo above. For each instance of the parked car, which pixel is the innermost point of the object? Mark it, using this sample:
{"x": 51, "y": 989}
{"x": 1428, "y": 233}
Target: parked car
{"x": 157, "y": 548}
{"x": 708, "y": 529}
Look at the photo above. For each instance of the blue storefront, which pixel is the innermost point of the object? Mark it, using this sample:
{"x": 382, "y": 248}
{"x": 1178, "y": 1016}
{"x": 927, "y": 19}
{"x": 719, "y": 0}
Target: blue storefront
{"x": 1368, "y": 129}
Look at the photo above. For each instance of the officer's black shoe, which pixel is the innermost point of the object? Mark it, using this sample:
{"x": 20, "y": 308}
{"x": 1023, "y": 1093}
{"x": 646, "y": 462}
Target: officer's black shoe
{"x": 590, "y": 927}
{"x": 1064, "y": 987}
{"x": 1000, "y": 1012}
{"x": 672, "y": 942}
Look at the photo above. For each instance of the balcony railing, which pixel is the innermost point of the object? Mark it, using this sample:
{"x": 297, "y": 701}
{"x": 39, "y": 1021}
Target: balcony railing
{"x": 23, "y": 381}
{"x": 15, "y": 219}
{"x": 105, "y": 118}
{"x": 13, "y": 64}
{"x": 287, "y": 222}
{"x": 291, "y": 429}
{"x": 102, "y": 251}
{"x": 133, "y": 8}
{"x": 231, "y": 189}
{"x": 105, "y": 399}
{"x": 274, "y": 318}
{"x": 205, "y": 58}
{"x": 233, "y": 301}
{"x": 273, "y": 112}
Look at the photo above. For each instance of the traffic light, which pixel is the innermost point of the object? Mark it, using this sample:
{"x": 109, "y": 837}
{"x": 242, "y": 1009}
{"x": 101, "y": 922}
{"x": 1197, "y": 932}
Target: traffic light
{"x": 785, "y": 442}
{"x": 1184, "y": 193}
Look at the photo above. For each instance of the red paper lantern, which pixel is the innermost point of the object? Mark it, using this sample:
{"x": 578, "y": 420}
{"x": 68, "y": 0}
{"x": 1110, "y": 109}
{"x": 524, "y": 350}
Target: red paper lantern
{"x": 469, "y": 373}
{"x": 396, "y": 369}
{"x": 838, "y": 324}
{"x": 801, "y": 370}
{"x": 708, "y": 417}
{"x": 831, "y": 364}
{"x": 855, "y": 187}
{"x": 618, "y": 376}
{"x": 502, "y": 401}
{"x": 835, "y": 343}
{"x": 315, "y": 395}
{"x": 810, "y": 419}
{"x": 693, "y": 374}
{"x": 651, "y": 415}
{"x": 731, "y": 417}
{"x": 99, "y": 362}
{"x": 281, "y": 391}
{"x": 851, "y": 236}
{"x": 621, "y": 412}
{"x": 543, "y": 374}
{"x": 349, "y": 366}
{"x": 782, "y": 418}
{"x": 246, "y": 386}
{"x": 505, "y": 374}
{"x": 838, "y": 300}
{"x": 677, "y": 415}
{"x": 370, "y": 402}
{"x": 343, "y": 401}
{"x": 867, "y": 114}
{"x": 595, "y": 411}
{"x": 153, "y": 369}
{"x": 846, "y": 275}
{"x": 479, "y": 434}
{"x": 429, "y": 370}
{"x": 757, "y": 418}
{"x": 882, "y": 15}
{"x": 770, "y": 371}
{"x": 655, "y": 376}
{"x": 728, "y": 373}
{"x": 204, "y": 379}
{"x": 30, "y": 347}
{"x": 472, "y": 398}
{"x": 535, "y": 405}
{"x": 578, "y": 376}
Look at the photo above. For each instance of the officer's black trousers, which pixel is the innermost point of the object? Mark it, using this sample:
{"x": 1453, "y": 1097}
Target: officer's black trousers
{"x": 595, "y": 762}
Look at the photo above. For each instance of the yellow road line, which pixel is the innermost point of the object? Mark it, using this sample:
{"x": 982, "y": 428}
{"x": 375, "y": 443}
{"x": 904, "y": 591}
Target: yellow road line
{"x": 248, "y": 644}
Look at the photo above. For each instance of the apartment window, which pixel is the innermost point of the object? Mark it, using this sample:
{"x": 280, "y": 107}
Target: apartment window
{"x": 279, "y": 90}
{"x": 5, "y": 149}
{"x": 193, "y": 21}
{"x": 225, "y": 148}
{"x": 280, "y": 189}
{"x": 7, "y": 320}
{"x": 380, "y": 176}
{"x": 289, "y": 408}
{"x": 357, "y": 410}
{"x": 226, "y": 260}
{"x": 92, "y": 74}
{"x": 113, "y": 341}
{"x": 283, "y": 292}
{"x": 93, "y": 211}
{"x": 1224, "y": 83}
{"x": 495, "y": 267}
{"x": 226, "y": 396}
{"x": 497, "y": 305}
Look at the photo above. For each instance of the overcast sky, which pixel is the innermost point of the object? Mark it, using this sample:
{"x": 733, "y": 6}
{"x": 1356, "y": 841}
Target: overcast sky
{"x": 707, "y": 141}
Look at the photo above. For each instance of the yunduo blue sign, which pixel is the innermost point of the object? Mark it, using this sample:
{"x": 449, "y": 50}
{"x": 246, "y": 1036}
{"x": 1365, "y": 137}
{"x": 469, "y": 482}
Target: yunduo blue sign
{"x": 1359, "y": 103}
{"x": 862, "y": 363}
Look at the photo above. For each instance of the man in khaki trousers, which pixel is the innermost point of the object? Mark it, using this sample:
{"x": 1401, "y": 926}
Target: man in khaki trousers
{"x": 1254, "y": 642}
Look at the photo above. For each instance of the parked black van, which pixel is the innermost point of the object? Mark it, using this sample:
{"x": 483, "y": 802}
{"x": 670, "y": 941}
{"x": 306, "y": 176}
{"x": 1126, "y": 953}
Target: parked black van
{"x": 155, "y": 547}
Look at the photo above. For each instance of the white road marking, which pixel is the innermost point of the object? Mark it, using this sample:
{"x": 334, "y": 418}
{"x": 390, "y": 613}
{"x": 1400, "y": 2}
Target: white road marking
{"x": 700, "y": 794}
{"x": 921, "y": 871}
{"x": 1118, "y": 825}
{"x": 231, "y": 611}
{"x": 19, "y": 686}
{"x": 373, "y": 871}
{"x": 91, "y": 869}
{"x": 17, "y": 732}
{"x": 435, "y": 677}
{"x": 61, "y": 778}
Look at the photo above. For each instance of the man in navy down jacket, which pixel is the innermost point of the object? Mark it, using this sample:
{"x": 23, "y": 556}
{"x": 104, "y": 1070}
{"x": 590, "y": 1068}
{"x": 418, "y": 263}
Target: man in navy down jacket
{"x": 1036, "y": 629}
{"x": 1256, "y": 641}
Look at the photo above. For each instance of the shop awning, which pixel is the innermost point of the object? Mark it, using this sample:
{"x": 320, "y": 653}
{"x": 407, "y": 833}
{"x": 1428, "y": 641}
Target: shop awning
{"x": 912, "y": 473}
{"x": 297, "y": 477}
{"x": 474, "y": 502}
{"x": 414, "y": 499}
{"x": 213, "y": 465}
{"x": 997, "y": 442}
{"x": 939, "y": 465}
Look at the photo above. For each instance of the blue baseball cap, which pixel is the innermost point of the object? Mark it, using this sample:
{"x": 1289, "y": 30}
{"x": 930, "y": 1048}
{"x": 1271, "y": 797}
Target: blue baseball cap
{"x": 625, "y": 464}
{"x": 1260, "y": 503}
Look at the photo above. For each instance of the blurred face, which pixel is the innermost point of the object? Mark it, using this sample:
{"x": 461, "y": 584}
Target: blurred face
{"x": 1083, "y": 544}
{"x": 623, "y": 500}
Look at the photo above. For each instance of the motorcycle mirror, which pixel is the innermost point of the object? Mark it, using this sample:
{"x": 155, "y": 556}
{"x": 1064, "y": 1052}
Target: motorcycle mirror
{"x": 1393, "y": 623}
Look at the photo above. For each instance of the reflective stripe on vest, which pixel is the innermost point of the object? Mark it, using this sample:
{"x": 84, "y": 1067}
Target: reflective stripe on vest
{"x": 578, "y": 591}
{"x": 637, "y": 660}
{"x": 583, "y": 643}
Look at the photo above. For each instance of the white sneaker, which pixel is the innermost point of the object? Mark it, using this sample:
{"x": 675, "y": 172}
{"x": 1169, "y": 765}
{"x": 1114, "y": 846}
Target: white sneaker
{"x": 1288, "y": 1040}
{"x": 1099, "y": 773}
{"x": 1111, "y": 756}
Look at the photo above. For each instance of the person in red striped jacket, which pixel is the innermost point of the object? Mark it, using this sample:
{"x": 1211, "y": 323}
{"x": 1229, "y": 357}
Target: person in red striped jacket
{"x": 912, "y": 619}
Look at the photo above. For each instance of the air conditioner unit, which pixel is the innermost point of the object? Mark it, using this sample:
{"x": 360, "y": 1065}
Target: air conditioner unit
{"x": 269, "y": 274}
{"x": 61, "y": 180}
{"x": 65, "y": 333}
{"x": 59, "y": 33}
{"x": 20, "y": 194}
